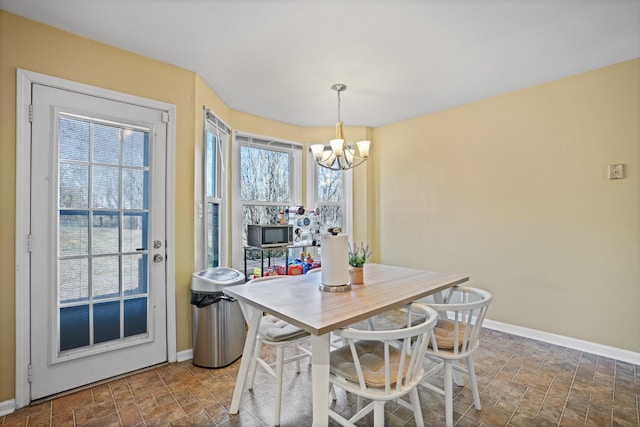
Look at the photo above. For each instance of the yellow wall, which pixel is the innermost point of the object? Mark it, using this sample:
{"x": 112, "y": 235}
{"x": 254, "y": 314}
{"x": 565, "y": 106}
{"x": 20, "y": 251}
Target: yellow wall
{"x": 513, "y": 190}
{"x": 35, "y": 47}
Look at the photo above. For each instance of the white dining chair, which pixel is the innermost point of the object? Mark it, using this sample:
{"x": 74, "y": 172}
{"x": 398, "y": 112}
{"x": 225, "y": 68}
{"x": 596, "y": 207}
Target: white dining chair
{"x": 279, "y": 334}
{"x": 383, "y": 365}
{"x": 456, "y": 336}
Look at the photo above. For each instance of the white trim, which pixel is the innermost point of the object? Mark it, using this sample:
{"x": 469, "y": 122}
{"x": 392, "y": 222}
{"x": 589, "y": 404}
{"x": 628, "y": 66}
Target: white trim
{"x": 185, "y": 355}
{"x": 24, "y": 79}
{"x": 223, "y": 141}
{"x": 573, "y": 343}
{"x": 278, "y": 143}
{"x": 7, "y": 407}
{"x": 170, "y": 232}
{"x": 23, "y": 189}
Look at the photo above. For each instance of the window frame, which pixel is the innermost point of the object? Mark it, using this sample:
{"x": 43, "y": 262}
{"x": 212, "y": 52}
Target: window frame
{"x": 347, "y": 193}
{"x": 221, "y": 132}
{"x": 240, "y": 139}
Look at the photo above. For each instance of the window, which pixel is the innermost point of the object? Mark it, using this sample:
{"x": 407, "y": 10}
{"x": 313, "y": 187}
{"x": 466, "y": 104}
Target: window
{"x": 329, "y": 192}
{"x": 215, "y": 144}
{"x": 269, "y": 175}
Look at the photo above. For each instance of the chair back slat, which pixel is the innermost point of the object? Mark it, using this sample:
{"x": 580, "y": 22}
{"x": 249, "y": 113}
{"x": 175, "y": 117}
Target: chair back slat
{"x": 463, "y": 314}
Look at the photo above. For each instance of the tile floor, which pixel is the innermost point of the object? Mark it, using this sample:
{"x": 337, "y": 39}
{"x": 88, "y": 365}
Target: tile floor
{"x": 522, "y": 382}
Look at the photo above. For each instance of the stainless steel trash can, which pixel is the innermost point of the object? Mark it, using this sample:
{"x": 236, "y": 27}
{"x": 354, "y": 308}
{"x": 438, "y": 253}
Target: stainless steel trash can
{"x": 218, "y": 323}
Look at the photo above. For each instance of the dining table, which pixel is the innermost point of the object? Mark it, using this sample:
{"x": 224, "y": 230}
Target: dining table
{"x": 299, "y": 301}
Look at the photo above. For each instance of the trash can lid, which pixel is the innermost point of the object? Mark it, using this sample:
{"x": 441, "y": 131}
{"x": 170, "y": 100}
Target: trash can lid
{"x": 214, "y": 279}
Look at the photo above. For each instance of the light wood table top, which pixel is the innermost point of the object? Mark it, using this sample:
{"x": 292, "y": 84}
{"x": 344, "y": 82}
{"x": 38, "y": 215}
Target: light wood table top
{"x": 298, "y": 300}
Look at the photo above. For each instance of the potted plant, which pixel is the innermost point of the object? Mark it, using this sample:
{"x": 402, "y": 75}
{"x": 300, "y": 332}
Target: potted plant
{"x": 357, "y": 257}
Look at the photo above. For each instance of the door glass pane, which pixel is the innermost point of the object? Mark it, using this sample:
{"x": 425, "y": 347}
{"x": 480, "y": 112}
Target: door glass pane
{"x": 135, "y": 316}
{"x": 74, "y": 139}
{"x": 102, "y": 232}
{"x": 105, "y": 278}
{"x": 74, "y": 184}
{"x": 106, "y": 187}
{"x": 74, "y": 280}
{"x": 134, "y": 185}
{"x": 134, "y": 274}
{"x": 74, "y": 327}
{"x": 106, "y": 321}
{"x": 133, "y": 237}
{"x": 74, "y": 233}
{"x": 135, "y": 150}
{"x": 105, "y": 233}
{"x": 106, "y": 144}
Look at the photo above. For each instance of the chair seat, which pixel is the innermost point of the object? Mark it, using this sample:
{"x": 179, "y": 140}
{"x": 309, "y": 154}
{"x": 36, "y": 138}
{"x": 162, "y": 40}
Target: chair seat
{"x": 445, "y": 334}
{"x": 371, "y": 354}
{"x": 276, "y": 330}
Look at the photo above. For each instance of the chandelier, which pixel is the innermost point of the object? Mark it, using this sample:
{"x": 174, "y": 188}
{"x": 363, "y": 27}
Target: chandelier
{"x": 340, "y": 155}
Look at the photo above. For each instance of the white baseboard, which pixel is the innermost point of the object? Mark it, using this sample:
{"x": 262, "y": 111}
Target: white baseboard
{"x": 561, "y": 340}
{"x": 7, "y": 407}
{"x": 184, "y": 355}
{"x": 576, "y": 344}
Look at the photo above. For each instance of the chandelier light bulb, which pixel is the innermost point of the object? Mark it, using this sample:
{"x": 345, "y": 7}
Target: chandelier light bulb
{"x": 337, "y": 146}
{"x": 363, "y": 148}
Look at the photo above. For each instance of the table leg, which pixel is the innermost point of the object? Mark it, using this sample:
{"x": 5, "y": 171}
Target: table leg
{"x": 253, "y": 317}
{"x": 320, "y": 379}
{"x": 246, "y": 276}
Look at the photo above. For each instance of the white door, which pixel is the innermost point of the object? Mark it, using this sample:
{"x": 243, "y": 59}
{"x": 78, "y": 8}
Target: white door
{"x": 98, "y": 279}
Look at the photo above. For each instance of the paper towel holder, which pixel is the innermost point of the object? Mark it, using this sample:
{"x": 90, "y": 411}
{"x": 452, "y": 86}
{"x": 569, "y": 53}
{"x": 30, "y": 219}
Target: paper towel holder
{"x": 338, "y": 288}
{"x": 334, "y": 231}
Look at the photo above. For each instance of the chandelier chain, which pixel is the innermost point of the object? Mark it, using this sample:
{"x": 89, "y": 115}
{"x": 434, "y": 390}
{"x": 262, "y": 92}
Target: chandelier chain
{"x": 339, "y": 106}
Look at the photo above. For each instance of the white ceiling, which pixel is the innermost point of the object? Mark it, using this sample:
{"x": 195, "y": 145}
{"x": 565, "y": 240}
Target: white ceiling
{"x": 399, "y": 58}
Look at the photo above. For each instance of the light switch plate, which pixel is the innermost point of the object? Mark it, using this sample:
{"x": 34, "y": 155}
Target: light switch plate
{"x": 616, "y": 171}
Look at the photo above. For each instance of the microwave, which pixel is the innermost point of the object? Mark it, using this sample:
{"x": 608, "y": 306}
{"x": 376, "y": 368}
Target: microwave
{"x": 269, "y": 235}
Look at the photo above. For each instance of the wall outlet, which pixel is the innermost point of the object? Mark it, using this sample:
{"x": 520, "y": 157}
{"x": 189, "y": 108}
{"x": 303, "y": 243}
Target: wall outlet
{"x": 616, "y": 171}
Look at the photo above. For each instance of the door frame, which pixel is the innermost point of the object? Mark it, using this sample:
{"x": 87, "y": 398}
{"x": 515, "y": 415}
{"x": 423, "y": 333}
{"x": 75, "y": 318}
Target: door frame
{"x": 24, "y": 80}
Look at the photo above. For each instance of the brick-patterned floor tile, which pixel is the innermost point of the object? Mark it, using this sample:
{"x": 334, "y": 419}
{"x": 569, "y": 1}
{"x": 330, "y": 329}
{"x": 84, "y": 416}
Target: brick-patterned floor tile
{"x": 522, "y": 382}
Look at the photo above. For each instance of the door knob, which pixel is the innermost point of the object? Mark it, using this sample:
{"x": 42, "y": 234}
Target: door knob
{"x": 158, "y": 258}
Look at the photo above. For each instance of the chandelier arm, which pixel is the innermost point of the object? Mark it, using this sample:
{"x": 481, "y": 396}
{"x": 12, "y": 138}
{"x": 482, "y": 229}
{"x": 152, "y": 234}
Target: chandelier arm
{"x": 333, "y": 168}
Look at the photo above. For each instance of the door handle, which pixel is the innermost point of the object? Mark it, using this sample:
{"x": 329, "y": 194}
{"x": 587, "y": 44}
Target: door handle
{"x": 158, "y": 258}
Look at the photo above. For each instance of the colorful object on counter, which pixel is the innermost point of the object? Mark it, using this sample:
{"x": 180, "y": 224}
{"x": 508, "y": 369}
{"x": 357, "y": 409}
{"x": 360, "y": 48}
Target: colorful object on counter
{"x": 299, "y": 267}
{"x": 295, "y": 269}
